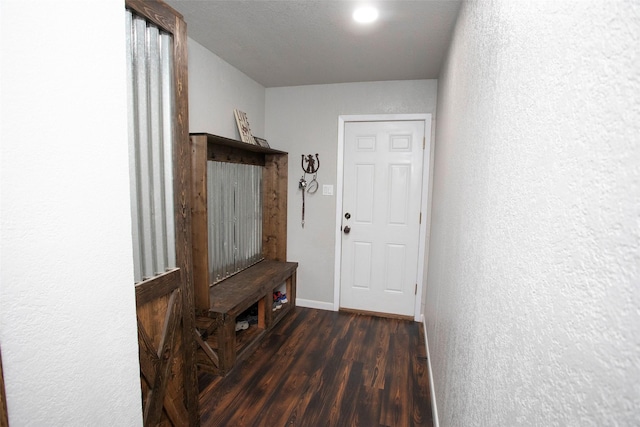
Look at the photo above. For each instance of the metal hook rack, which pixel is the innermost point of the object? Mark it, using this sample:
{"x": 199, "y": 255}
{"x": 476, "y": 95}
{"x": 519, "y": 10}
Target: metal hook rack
{"x": 309, "y": 166}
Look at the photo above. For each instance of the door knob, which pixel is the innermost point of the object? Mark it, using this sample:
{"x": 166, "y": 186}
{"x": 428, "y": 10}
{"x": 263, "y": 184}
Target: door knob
{"x": 346, "y": 229}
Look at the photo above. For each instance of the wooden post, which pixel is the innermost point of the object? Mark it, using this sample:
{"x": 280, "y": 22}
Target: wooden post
{"x": 199, "y": 227}
{"x": 274, "y": 213}
{"x": 227, "y": 343}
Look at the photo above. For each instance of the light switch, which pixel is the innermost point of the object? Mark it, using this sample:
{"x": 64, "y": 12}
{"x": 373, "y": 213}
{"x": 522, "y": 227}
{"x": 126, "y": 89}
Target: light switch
{"x": 327, "y": 190}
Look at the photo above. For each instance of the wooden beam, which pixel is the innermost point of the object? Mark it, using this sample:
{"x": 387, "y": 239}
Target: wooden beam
{"x": 149, "y": 362}
{"x": 182, "y": 203}
{"x": 155, "y": 399}
{"x": 157, "y": 286}
{"x": 199, "y": 223}
{"x": 274, "y": 212}
{"x": 221, "y": 153}
{"x": 160, "y": 13}
{"x": 208, "y": 350}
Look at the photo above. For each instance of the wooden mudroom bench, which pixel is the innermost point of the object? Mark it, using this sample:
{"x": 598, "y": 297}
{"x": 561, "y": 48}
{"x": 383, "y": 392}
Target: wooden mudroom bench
{"x": 221, "y": 346}
{"x": 219, "y": 304}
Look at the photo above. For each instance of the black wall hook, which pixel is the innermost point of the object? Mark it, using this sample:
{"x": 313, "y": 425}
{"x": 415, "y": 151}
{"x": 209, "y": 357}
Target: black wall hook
{"x": 311, "y": 163}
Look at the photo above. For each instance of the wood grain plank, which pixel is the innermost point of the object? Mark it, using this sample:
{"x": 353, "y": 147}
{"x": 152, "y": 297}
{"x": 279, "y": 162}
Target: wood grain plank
{"x": 253, "y": 400}
{"x": 366, "y": 410}
{"x": 199, "y": 226}
{"x": 330, "y": 371}
{"x": 303, "y": 358}
{"x": 352, "y": 393}
{"x": 292, "y": 289}
{"x": 278, "y": 410}
{"x": 156, "y": 396}
{"x": 338, "y": 410}
{"x": 148, "y": 355}
{"x": 274, "y": 211}
{"x": 157, "y": 286}
{"x": 326, "y": 406}
{"x": 396, "y": 406}
{"x": 421, "y": 413}
{"x": 217, "y": 140}
{"x": 363, "y": 325}
{"x": 221, "y": 153}
{"x": 239, "y": 292}
{"x": 182, "y": 209}
{"x": 266, "y": 355}
{"x": 295, "y": 320}
{"x": 376, "y": 354}
{"x": 229, "y": 393}
{"x": 299, "y": 406}
{"x": 312, "y": 337}
{"x": 157, "y": 12}
{"x": 208, "y": 351}
{"x": 226, "y": 334}
{"x": 149, "y": 363}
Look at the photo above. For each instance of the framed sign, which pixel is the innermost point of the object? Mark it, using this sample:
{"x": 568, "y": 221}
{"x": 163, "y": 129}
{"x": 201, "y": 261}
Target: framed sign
{"x": 261, "y": 142}
{"x": 243, "y": 127}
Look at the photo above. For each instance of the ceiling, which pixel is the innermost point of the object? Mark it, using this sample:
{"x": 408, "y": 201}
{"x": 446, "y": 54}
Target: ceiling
{"x": 292, "y": 43}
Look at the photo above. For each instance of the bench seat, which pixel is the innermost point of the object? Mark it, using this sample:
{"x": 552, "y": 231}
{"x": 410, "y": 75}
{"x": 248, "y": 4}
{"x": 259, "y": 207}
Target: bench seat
{"x": 220, "y": 346}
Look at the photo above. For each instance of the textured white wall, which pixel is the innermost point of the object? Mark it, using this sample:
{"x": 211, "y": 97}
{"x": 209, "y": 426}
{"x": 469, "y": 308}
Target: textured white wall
{"x": 215, "y": 89}
{"x": 304, "y": 120}
{"x": 67, "y": 303}
{"x": 534, "y": 273}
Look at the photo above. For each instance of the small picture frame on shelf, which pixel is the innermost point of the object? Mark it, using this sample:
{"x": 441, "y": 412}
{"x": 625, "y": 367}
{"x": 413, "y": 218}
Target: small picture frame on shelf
{"x": 243, "y": 127}
{"x": 261, "y": 142}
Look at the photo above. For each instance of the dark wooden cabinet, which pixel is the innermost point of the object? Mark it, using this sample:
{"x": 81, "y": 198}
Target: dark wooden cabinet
{"x": 217, "y": 306}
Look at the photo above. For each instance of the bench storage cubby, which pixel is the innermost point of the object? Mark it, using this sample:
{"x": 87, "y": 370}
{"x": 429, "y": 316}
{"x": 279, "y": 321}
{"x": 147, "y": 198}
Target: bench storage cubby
{"x": 233, "y": 296}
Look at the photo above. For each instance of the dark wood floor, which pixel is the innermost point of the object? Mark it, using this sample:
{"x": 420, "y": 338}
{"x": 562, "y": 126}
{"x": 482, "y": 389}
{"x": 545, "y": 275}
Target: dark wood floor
{"x": 323, "y": 368}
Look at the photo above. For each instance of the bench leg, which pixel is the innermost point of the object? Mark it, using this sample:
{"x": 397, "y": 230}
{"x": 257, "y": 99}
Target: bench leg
{"x": 227, "y": 343}
{"x": 264, "y": 312}
{"x": 291, "y": 289}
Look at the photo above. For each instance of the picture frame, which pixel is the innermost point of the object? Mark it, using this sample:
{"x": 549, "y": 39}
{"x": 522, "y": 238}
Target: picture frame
{"x": 243, "y": 127}
{"x": 261, "y": 142}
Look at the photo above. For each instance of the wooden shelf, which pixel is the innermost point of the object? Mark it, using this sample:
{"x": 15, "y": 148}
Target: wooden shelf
{"x": 222, "y": 141}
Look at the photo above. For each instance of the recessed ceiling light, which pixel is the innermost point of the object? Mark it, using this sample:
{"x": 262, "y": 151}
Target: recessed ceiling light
{"x": 365, "y": 14}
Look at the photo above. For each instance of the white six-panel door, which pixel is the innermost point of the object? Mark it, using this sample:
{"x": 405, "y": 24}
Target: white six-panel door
{"x": 382, "y": 187}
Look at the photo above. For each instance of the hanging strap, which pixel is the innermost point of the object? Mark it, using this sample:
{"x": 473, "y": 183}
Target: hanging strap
{"x": 303, "y": 186}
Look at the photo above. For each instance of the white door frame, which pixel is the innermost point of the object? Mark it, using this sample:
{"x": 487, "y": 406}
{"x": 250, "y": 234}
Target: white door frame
{"x": 424, "y": 206}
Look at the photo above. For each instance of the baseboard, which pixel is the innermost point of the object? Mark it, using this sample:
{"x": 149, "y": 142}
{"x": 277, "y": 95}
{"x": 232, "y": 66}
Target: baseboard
{"x": 320, "y": 305}
{"x": 432, "y": 390}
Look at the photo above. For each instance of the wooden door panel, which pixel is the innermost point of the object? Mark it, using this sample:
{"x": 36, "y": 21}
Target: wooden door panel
{"x": 161, "y": 353}
{"x": 165, "y": 312}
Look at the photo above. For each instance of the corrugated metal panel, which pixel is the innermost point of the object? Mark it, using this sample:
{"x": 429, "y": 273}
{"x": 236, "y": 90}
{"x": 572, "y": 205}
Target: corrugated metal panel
{"x": 234, "y": 206}
{"x": 150, "y": 104}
